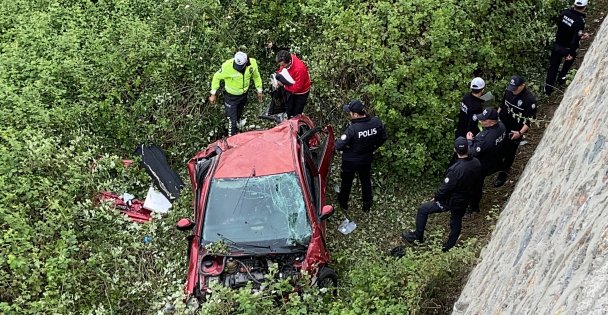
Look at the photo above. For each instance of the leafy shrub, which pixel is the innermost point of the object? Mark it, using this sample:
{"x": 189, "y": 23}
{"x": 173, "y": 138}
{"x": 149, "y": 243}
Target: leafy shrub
{"x": 83, "y": 82}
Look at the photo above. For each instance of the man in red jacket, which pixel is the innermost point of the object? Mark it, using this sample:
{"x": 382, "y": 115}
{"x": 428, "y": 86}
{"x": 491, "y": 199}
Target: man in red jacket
{"x": 293, "y": 76}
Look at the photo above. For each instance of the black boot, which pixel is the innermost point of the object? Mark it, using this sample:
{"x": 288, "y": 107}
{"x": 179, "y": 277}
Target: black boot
{"x": 343, "y": 203}
{"x": 501, "y": 179}
{"x": 411, "y": 237}
{"x": 367, "y": 206}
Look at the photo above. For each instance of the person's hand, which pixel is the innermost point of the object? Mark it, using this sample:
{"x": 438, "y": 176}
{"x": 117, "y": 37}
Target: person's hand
{"x": 515, "y": 135}
{"x": 212, "y": 98}
{"x": 260, "y": 97}
{"x": 585, "y": 35}
{"x": 469, "y": 135}
{"x": 569, "y": 57}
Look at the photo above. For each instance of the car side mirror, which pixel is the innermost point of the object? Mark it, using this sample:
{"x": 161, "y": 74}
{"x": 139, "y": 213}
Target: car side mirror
{"x": 326, "y": 212}
{"x": 185, "y": 224}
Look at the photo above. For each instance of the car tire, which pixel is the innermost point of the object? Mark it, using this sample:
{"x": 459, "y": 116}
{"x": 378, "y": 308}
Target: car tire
{"x": 328, "y": 278}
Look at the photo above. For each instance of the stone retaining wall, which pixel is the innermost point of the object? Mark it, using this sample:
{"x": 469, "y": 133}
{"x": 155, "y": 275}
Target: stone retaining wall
{"x": 549, "y": 251}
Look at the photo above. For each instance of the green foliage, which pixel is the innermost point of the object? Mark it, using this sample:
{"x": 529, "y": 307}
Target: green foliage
{"x": 64, "y": 253}
{"x": 374, "y": 284}
{"x": 412, "y": 60}
{"x": 83, "y": 82}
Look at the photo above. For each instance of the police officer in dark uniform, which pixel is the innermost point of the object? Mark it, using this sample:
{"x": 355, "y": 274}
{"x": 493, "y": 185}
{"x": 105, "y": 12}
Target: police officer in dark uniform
{"x": 570, "y": 27}
{"x": 362, "y": 137}
{"x": 453, "y": 195}
{"x": 470, "y": 106}
{"x": 486, "y": 146}
{"x": 516, "y": 112}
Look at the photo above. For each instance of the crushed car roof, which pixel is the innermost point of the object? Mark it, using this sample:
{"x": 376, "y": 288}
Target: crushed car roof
{"x": 258, "y": 153}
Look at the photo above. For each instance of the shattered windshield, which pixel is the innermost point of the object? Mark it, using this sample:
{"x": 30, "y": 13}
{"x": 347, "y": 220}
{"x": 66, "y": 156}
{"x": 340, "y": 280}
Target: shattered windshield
{"x": 257, "y": 209}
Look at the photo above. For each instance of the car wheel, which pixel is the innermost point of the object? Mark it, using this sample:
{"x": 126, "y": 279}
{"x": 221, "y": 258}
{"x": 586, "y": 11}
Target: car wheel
{"x": 328, "y": 279}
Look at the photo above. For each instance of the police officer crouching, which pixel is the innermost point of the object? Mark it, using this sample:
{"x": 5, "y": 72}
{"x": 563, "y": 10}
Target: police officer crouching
{"x": 453, "y": 195}
{"x": 362, "y": 137}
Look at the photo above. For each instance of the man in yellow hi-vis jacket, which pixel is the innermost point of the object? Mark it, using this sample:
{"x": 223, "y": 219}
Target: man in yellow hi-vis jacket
{"x": 236, "y": 72}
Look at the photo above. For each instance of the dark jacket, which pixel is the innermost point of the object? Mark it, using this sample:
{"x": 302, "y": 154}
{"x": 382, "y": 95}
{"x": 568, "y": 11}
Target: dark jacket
{"x": 486, "y": 146}
{"x": 470, "y": 106}
{"x": 570, "y": 26}
{"x": 461, "y": 178}
{"x": 362, "y": 137}
{"x": 517, "y": 109}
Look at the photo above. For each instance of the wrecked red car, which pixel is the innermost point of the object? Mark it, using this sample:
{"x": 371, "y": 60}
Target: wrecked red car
{"x": 262, "y": 195}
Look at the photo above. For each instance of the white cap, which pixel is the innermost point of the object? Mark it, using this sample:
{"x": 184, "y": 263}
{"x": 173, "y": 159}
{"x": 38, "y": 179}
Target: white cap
{"x": 240, "y": 58}
{"x": 581, "y": 3}
{"x": 478, "y": 83}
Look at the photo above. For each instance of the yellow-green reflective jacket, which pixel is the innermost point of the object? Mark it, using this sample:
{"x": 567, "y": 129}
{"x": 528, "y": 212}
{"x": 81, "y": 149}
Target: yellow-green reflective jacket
{"x": 237, "y": 83}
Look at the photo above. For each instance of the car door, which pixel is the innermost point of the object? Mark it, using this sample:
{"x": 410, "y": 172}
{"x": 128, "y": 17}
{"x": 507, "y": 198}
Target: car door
{"x": 319, "y": 145}
{"x": 326, "y": 151}
{"x": 317, "y": 152}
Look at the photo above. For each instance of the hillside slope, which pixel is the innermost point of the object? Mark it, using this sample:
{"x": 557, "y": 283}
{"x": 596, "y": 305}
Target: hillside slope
{"x": 548, "y": 252}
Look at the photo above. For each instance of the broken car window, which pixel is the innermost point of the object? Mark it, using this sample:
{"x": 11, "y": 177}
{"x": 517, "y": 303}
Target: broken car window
{"x": 257, "y": 209}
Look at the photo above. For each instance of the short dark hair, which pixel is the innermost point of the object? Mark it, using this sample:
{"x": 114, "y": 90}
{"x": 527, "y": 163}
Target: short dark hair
{"x": 284, "y": 56}
{"x": 475, "y": 91}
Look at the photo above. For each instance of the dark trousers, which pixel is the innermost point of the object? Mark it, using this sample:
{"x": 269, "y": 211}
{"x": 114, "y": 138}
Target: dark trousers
{"x": 349, "y": 169}
{"x": 509, "y": 149}
{"x": 430, "y": 207}
{"x": 294, "y": 103}
{"x": 558, "y": 53}
{"x": 477, "y": 193}
{"x": 233, "y": 108}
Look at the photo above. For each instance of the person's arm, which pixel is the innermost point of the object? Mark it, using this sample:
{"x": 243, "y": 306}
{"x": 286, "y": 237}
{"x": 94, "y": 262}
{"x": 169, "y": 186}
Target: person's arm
{"x": 215, "y": 82}
{"x": 447, "y": 187}
{"x": 530, "y": 114}
{"x": 345, "y": 140}
{"x": 257, "y": 79}
{"x": 577, "y": 33}
{"x": 478, "y": 145}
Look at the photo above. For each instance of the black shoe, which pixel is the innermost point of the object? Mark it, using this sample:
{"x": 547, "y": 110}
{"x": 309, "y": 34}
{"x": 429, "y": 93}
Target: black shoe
{"x": 343, "y": 205}
{"x": 501, "y": 179}
{"x": 410, "y": 237}
{"x": 367, "y": 206}
{"x": 560, "y": 81}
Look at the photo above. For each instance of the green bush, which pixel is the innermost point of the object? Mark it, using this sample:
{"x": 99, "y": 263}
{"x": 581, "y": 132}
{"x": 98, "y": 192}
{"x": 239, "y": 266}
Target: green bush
{"x": 83, "y": 82}
{"x": 413, "y": 60}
